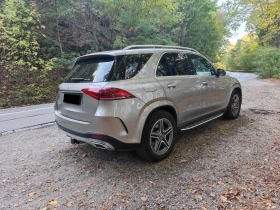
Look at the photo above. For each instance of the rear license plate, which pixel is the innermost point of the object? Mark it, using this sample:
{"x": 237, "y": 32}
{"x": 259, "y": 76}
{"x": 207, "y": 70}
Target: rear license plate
{"x": 72, "y": 99}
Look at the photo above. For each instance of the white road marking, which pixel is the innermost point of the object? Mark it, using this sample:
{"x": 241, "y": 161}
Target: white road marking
{"x": 26, "y": 111}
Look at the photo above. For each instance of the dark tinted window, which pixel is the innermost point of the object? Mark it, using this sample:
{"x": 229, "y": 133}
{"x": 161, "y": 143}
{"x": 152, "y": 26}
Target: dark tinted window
{"x": 174, "y": 64}
{"x": 108, "y": 68}
{"x": 128, "y": 66}
{"x": 201, "y": 65}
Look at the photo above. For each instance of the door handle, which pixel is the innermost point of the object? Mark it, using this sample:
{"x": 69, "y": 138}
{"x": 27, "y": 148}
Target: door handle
{"x": 205, "y": 83}
{"x": 171, "y": 85}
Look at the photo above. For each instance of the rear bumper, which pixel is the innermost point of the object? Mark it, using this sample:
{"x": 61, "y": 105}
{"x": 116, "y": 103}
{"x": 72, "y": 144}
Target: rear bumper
{"x": 105, "y": 142}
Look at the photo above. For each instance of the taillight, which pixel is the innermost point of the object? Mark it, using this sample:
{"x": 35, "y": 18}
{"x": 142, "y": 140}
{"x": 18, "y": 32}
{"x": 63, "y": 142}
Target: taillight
{"x": 56, "y": 90}
{"x": 108, "y": 93}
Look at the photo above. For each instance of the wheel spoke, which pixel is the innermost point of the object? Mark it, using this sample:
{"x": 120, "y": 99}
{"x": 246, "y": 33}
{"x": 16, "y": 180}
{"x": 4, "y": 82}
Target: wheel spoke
{"x": 161, "y": 128}
{"x": 157, "y": 145}
{"x": 154, "y": 135}
{"x": 165, "y": 142}
{"x": 166, "y": 132}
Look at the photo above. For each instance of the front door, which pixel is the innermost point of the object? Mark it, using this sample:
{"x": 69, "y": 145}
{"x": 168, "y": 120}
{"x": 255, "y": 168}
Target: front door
{"x": 181, "y": 85}
{"x": 214, "y": 88}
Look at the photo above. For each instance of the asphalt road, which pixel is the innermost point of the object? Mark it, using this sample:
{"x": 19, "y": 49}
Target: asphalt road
{"x": 15, "y": 119}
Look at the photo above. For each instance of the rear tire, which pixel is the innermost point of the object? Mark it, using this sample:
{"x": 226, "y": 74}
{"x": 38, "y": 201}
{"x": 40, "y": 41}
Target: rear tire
{"x": 234, "y": 106}
{"x": 158, "y": 137}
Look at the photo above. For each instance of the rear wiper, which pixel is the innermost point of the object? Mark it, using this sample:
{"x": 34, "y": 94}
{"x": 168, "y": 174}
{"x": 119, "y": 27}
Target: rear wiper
{"x": 79, "y": 80}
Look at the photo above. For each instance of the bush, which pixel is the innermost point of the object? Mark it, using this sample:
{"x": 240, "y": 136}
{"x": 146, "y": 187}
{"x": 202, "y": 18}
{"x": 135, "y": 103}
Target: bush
{"x": 267, "y": 61}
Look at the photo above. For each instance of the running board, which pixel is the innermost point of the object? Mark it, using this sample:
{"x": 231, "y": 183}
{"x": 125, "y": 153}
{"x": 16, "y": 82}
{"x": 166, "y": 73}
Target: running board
{"x": 201, "y": 122}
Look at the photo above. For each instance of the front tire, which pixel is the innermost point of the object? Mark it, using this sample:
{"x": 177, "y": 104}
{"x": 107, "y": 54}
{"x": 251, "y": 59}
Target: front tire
{"x": 158, "y": 137}
{"x": 234, "y": 106}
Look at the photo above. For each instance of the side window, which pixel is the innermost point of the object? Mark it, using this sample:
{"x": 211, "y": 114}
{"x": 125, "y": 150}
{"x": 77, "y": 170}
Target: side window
{"x": 174, "y": 64}
{"x": 128, "y": 66}
{"x": 165, "y": 65}
{"x": 201, "y": 65}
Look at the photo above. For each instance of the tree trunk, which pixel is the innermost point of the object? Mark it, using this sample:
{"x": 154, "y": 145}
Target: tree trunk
{"x": 92, "y": 25}
{"x": 57, "y": 29}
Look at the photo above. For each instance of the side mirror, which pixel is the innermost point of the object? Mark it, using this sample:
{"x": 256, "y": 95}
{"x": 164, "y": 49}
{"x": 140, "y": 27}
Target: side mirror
{"x": 221, "y": 72}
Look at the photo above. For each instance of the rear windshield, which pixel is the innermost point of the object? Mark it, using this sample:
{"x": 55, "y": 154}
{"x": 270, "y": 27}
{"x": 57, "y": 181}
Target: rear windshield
{"x": 108, "y": 68}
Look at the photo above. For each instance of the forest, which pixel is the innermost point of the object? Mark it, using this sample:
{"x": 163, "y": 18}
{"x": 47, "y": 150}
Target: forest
{"x": 39, "y": 39}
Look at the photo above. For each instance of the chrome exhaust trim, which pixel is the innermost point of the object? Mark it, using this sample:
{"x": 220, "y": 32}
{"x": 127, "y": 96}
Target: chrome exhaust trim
{"x": 94, "y": 142}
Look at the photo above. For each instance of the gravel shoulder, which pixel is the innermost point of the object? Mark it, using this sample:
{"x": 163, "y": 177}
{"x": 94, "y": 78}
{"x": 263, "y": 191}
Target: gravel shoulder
{"x": 220, "y": 165}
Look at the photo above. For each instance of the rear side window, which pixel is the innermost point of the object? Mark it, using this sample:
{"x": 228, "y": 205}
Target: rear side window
{"x": 128, "y": 66}
{"x": 174, "y": 64}
{"x": 107, "y": 68}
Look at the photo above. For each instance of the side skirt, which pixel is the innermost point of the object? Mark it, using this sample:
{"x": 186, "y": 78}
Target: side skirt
{"x": 201, "y": 121}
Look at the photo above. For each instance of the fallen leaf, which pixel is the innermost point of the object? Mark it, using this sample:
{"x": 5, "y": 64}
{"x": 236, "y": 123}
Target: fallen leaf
{"x": 81, "y": 204}
{"x": 144, "y": 199}
{"x": 152, "y": 183}
{"x": 84, "y": 155}
{"x": 183, "y": 161}
{"x": 48, "y": 181}
{"x": 198, "y": 197}
{"x": 32, "y": 193}
{"x": 5, "y": 180}
{"x": 266, "y": 202}
{"x": 223, "y": 198}
{"x": 52, "y": 203}
{"x": 196, "y": 179}
{"x": 68, "y": 204}
{"x": 16, "y": 205}
{"x": 91, "y": 201}
{"x": 221, "y": 183}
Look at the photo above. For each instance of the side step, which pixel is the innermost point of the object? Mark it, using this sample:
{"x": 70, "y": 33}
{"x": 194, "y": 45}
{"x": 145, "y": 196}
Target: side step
{"x": 202, "y": 122}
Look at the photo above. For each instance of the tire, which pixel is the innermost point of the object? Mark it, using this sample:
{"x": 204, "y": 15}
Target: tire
{"x": 158, "y": 137}
{"x": 234, "y": 106}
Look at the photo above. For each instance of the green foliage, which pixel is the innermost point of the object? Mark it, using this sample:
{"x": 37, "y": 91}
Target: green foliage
{"x": 259, "y": 52}
{"x": 247, "y": 55}
{"x": 18, "y": 38}
{"x": 65, "y": 62}
{"x": 24, "y": 87}
{"x": 267, "y": 61}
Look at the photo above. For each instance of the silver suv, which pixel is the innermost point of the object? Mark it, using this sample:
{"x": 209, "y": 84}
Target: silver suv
{"x": 137, "y": 98}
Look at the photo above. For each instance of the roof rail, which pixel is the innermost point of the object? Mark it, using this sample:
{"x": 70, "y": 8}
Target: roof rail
{"x": 132, "y": 47}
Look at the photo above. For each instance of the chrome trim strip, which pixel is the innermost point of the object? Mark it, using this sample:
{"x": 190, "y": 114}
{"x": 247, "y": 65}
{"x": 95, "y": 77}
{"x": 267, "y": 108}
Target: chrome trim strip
{"x": 188, "y": 128}
{"x": 158, "y": 46}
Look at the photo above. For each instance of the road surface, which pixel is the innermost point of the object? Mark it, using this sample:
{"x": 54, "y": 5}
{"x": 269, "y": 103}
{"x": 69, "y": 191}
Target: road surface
{"x": 15, "y": 119}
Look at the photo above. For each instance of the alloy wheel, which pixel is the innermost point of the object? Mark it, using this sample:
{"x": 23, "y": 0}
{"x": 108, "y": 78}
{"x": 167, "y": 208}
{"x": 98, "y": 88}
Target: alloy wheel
{"x": 161, "y": 136}
{"x": 235, "y": 105}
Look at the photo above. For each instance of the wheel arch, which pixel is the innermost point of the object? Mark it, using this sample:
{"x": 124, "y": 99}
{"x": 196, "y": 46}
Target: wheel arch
{"x": 239, "y": 90}
{"x": 168, "y": 108}
{"x": 165, "y": 105}
{"x": 236, "y": 87}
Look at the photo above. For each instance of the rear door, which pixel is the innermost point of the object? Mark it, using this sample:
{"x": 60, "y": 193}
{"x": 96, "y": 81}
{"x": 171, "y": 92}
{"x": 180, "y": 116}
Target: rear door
{"x": 181, "y": 85}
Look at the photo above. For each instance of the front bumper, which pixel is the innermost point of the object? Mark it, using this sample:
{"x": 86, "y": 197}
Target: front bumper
{"x": 103, "y": 141}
